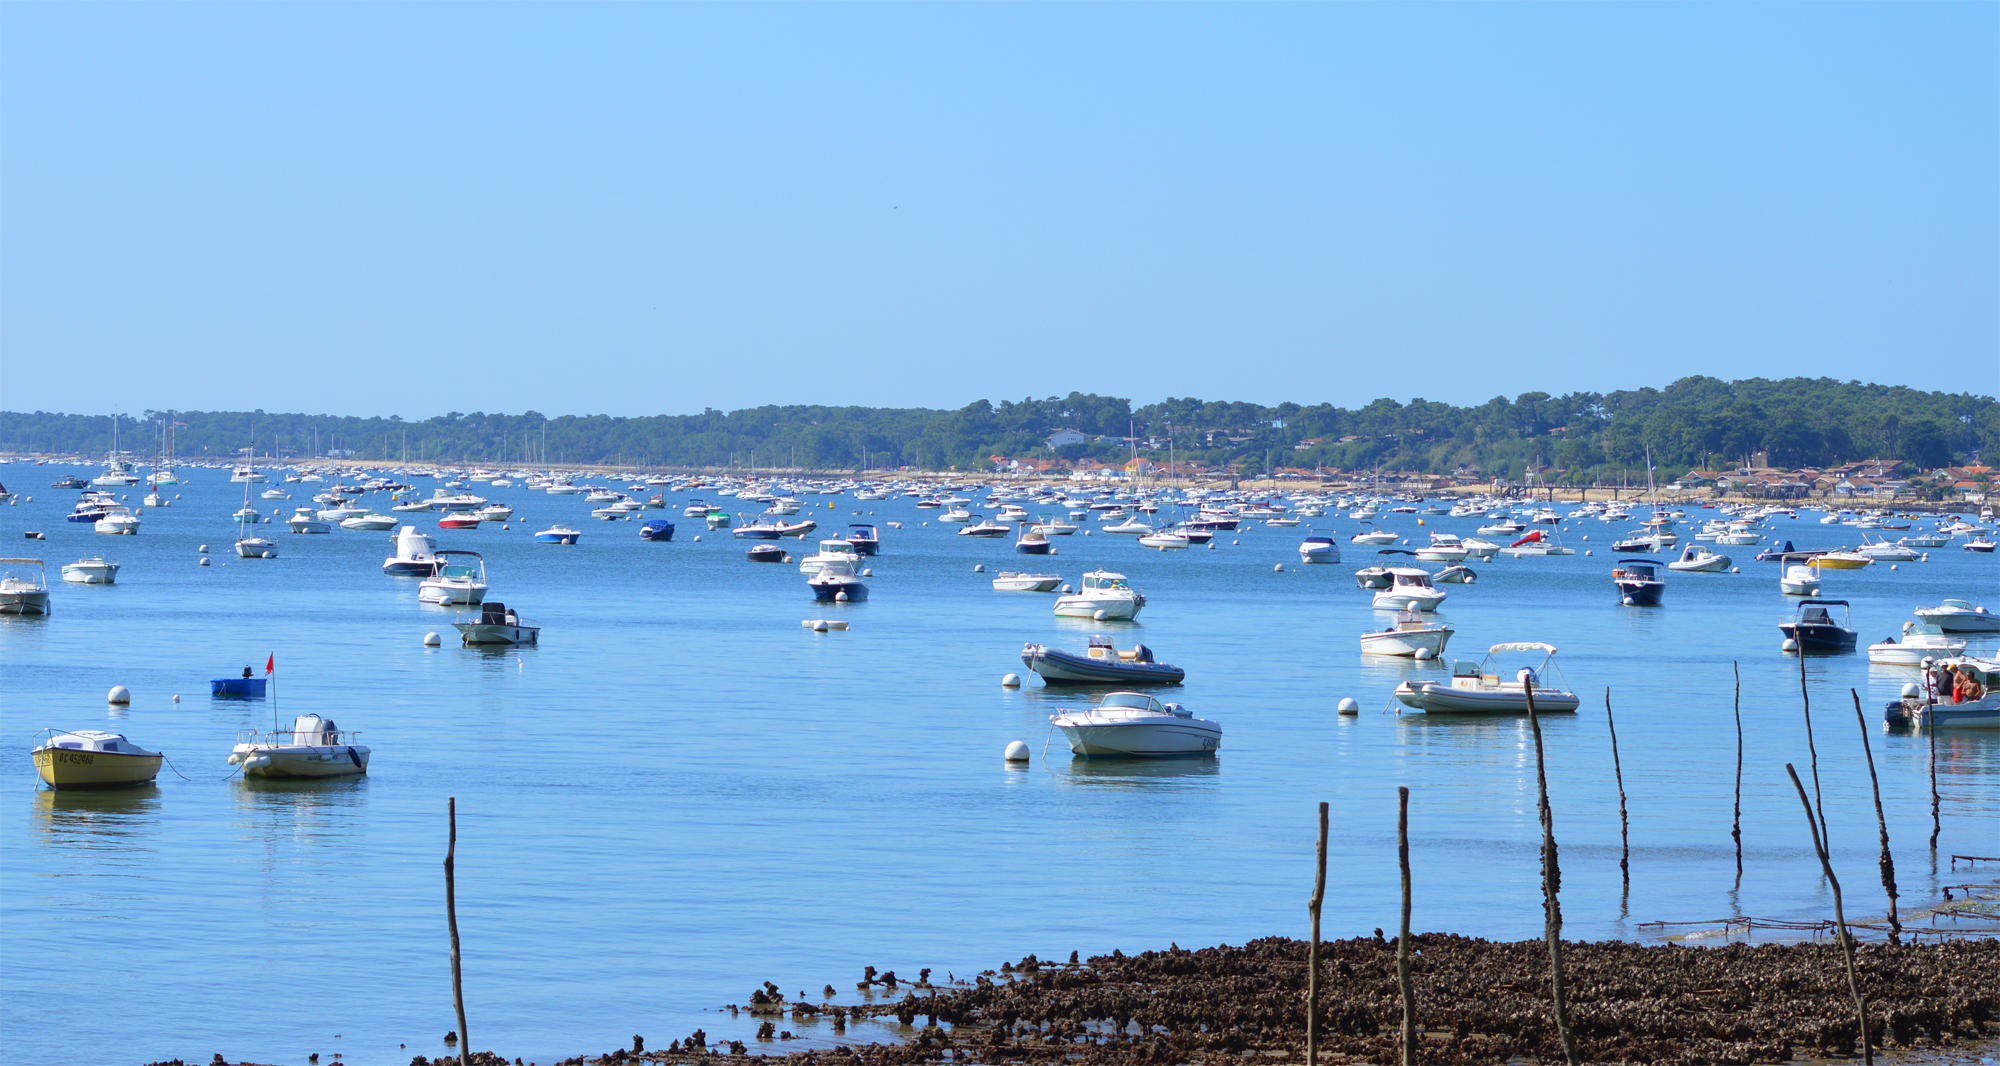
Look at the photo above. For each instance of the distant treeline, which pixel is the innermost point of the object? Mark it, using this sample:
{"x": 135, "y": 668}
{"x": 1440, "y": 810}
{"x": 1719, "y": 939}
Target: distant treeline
{"x": 1695, "y": 422}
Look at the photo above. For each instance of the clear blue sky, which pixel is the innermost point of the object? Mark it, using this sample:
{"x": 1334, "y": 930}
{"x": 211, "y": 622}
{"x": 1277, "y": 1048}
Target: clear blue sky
{"x": 655, "y": 208}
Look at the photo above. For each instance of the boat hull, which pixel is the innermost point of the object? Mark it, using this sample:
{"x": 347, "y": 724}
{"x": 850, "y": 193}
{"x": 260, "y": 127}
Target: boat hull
{"x": 301, "y": 760}
{"x": 90, "y": 575}
{"x": 1640, "y": 593}
{"x": 476, "y": 634}
{"x": 1980, "y": 714}
{"x": 1819, "y": 637}
{"x": 1063, "y": 667}
{"x": 251, "y": 688}
{"x": 1432, "y": 697}
{"x": 828, "y": 592}
{"x": 256, "y": 548}
{"x": 64, "y": 768}
{"x": 1181, "y": 738}
{"x": 1406, "y": 643}
{"x": 35, "y": 602}
{"x": 1032, "y": 549}
{"x": 1115, "y": 610}
{"x": 1961, "y": 621}
{"x": 1391, "y": 599}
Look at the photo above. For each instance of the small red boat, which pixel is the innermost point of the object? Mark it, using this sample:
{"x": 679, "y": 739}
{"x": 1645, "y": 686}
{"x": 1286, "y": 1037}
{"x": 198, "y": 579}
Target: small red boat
{"x": 458, "y": 521}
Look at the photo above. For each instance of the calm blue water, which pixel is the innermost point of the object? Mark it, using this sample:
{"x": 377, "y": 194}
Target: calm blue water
{"x": 681, "y": 794}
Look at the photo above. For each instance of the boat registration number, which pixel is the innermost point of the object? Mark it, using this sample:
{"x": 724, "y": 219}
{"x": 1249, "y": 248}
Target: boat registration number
{"x": 81, "y": 758}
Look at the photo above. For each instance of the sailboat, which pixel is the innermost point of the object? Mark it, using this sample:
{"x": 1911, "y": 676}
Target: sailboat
{"x": 247, "y": 546}
{"x": 117, "y": 473}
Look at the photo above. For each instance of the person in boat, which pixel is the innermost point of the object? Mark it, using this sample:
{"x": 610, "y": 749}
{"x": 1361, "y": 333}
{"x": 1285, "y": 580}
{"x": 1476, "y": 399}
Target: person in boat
{"x": 246, "y": 673}
{"x": 1947, "y": 683}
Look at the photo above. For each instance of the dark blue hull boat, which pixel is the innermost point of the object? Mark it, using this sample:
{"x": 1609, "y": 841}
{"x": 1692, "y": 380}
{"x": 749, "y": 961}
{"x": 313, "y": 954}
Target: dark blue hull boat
{"x": 657, "y": 529}
{"x": 243, "y": 688}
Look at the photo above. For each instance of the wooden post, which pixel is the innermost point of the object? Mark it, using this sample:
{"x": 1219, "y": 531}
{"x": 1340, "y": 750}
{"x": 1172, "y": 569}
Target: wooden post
{"x": 1930, "y": 727}
{"x": 1888, "y": 862}
{"x": 1551, "y": 885}
{"x": 1624, "y": 826}
{"x": 1403, "y": 931}
{"x": 451, "y": 920}
{"x": 1839, "y": 917}
{"x": 1736, "y": 817}
{"x": 1312, "y": 960}
{"x": 1812, "y": 750}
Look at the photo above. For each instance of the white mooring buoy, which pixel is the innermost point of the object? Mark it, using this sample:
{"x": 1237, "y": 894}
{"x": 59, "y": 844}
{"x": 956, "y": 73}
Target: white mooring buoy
{"x": 1277, "y": 568}
{"x": 1425, "y": 655}
{"x": 1011, "y": 681}
{"x": 177, "y": 697}
{"x": 432, "y": 640}
{"x": 1789, "y": 645}
{"x": 1348, "y": 706}
{"x": 203, "y": 549}
{"x": 120, "y": 695}
{"x": 867, "y": 572}
{"x": 840, "y": 597}
{"x": 204, "y": 560}
{"x": 1017, "y": 751}
{"x": 1098, "y": 615}
{"x": 978, "y": 568}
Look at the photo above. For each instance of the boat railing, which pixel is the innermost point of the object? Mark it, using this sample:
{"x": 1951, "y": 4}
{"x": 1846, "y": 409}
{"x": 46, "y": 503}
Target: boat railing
{"x": 338, "y": 737}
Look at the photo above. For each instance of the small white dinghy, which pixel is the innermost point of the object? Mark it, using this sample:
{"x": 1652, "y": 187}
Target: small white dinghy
{"x": 1135, "y": 725}
{"x": 313, "y": 747}
{"x": 496, "y": 624}
{"x": 1920, "y": 641}
{"x": 1700, "y": 559}
{"x": 1011, "y": 581}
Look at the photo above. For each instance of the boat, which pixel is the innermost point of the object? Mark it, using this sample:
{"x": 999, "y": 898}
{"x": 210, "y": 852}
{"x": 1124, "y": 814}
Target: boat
{"x": 1165, "y": 540}
{"x": 831, "y": 550}
{"x": 303, "y": 520}
{"x": 92, "y": 758}
{"x": 118, "y": 522}
{"x": 1105, "y": 596}
{"x": 1032, "y": 541}
{"x": 1443, "y": 548}
{"x": 984, "y": 527}
{"x": 1100, "y": 664}
{"x": 1056, "y": 527}
{"x": 1478, "y": 688}
{"x": 1381, "y": 575}
{"x": 1536, "y": 543}
{"x": 1800, "y": 579}
{"x": 1700, "y": 559}
{"x": 416, "y": 554}
{"x": 1842, "y": 560}
{"x": 1638, "y": 582}
{"x": 495, "y": 512}
{"x": 71, "y": 482}
{"x": 558, "y": 534}
{"x": 1960, "y": 616}
{"x": 656, "y": 529}
{"x": 1319, "y": 550}
{"x": 1772, "y": 555}
{"x": 313, "y": 747}
{"x": 496, "y": 624}
{"x": 455, "y": 584}
{"x": 797, "y": 529}
{"x": 1456, "y": 574}
{"x": 458, "y": 520}
{"x": 369, "y": 523}
{"x": 956, "y": 516}
{"x": 1475, "y": 548}
{"x": 1413, "y": 631}
{"x": 90, "y": 570}
{"x": 865, "y": 538}
{"x": 247, "y": 687}
{"x": 1814, "y": 628}
{"x": 23, "y": 594}
{"x": 768, "y": 553}
{"x": 836, "y": 581}
{"x": 247, "y": 546}
{"x": 759, "y": 530}
{"x": 1013, "y": 581}
{"x": 1942, "y": 704}
{"x": 1410, "y": 589}
{"x": 1133, "y": 525}
{"x": 1921, "y": 641}
{"x": 1886, "y": 551}
{"x": 1924, "y": 540}
{"x": 1983, "y": 544}
{"x": 1133, "y": 724}
{"x": 1644, "y": 541}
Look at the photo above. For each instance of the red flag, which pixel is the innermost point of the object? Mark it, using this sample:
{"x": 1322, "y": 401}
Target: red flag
{"x": 270, "y": 664}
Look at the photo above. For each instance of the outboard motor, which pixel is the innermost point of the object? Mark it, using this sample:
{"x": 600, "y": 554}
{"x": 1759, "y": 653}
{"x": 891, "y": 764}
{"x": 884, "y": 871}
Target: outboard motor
{"x": 1141, "y": 653}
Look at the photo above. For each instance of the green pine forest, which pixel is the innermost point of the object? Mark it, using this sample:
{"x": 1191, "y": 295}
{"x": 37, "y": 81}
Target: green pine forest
{"x": 1588, "y": 437}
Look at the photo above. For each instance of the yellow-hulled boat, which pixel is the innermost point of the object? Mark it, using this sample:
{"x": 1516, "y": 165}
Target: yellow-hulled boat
{"x": 1841, "y": 560}
{"x": 92, "y": 758}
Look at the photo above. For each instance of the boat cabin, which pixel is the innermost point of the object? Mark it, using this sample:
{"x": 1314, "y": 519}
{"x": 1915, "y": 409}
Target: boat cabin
{"x": 1101, "y": 648}
{"x": 1410, "y": 577}
{"x": 1139, "y": 701}
{"x": 1104, "y": 579}
{"x": 1642, "y": 570}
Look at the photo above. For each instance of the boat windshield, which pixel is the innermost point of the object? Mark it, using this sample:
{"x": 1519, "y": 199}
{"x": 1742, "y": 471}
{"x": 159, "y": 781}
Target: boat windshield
{"x": 1416, "y": 580}
{"x": 1106, "y": 581}
{"x": 1134, "y": 700}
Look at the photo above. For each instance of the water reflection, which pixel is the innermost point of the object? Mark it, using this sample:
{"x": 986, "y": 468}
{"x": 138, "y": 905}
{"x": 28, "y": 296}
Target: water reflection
{"x": 1140, "y": 774}
{"x": 301, "y": 796}
{"x": 113, "y": 819}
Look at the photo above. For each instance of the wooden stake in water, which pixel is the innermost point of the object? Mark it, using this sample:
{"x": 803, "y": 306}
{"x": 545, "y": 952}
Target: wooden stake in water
{"x": 1839, "y": 917}
{"x": 1930, "y": 727}
{"x": 1736, "y": 817}
{"x": 451, "y": 920}
{"x": 1403, "y": 930}
{"x": 1811, "y": 750}
{"x": 1624, "y": 826}
{"x": 1312, "y": 960}
{"x": 1551, "y": 883}
{"x": 1888, "y": 862}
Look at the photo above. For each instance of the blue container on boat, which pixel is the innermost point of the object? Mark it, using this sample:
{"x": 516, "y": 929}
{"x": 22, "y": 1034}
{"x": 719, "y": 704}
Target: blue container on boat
{"x": 238, "y": 687}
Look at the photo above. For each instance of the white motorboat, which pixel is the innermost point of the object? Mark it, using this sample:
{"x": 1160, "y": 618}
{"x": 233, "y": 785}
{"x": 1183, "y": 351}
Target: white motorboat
{"x": 92, "y": 758}
{"x": 91, "y": 570}
{"x": 1411, "y": 633}
{"x": 956, "y": 516}
{"x": 21, "y": 593}
{"x": 313, "y": 747}
{"x": 1409, "y": 589}
{"x": 1376, "y": 536}
{"x": 416, "y": 554}
{"x": 1478, "y": 688}
{"x": 1105, "y": 596}
{"x": 1133, "y": 525}
{"x": 1960, "y": 616}
{"x": 247, "y": 475}
{"x": 1799, "y": 578}
{"x": 248, "y": 516}
{"x": 454, "y": 501}
{"x": 985, "y": 527}
{"x": 496, "y": 624}
{"x": 118, "y": 522}
{"x": 495, "y": 512}
{"x": 1011, "y": 581}
{"x": 455, "y": 584}
{"x": 837, "y": 581}
{"x": 1133, "y": 724}
{"x": 1700, "y": 559}
{"x": 256, "y": 548}
{"x": 1924, "y": 540}
{"x": 1443, "y": 548}
{"x": 1475, "y": 548}
{"x": 369, "y": 523}
{"x": 1056, "y": 527}
{"x": 1920, "y": 641}
{"x": 1941, "y": 703}
{"x": 1318, "y": 550}
{"x": 275, "y": 493}
{"x": 304, "y": 520}
{"x": 342, "y": 511}
{"x": 831, "y": 550}
{"x": 1165, "y": 540}
{"x": 154, "y": 499}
